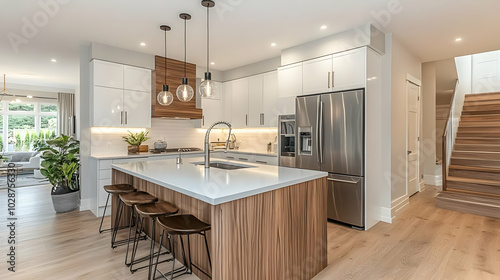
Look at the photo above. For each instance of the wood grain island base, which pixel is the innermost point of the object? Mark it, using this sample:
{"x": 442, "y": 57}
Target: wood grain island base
{"x": 279, "y": 234}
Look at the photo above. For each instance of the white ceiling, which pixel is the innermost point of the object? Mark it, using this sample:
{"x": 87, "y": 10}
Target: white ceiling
{"x": 242, "y": 30}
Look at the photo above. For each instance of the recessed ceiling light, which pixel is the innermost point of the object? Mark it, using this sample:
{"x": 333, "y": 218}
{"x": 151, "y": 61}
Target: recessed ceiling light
{"x": 29, "y": 96}
{"x": 323, "y": 27}
{"x": 143, "y": 44}
{"x": 212, "y": 63}
{"x": 458, "y": 40}
{"x": 53, "y": 60}
{"x": 273, "y": 44}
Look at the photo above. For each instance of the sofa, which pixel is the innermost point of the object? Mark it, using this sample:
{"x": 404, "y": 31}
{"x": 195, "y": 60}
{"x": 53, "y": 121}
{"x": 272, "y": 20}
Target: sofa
{"x": 28, "y": 160}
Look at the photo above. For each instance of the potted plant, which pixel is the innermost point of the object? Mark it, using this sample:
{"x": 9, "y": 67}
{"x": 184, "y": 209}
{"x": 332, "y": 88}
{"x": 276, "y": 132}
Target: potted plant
{"x": 135, "y": 140}
{"x": 61, "y": 162}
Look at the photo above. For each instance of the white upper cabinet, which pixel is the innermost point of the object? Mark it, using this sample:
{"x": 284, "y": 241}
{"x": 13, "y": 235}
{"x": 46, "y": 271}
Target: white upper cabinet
{"x": 121, "y": 95}
{"x": 137, "y": 108}
{"x": 227, "y": 102}
{"x": 211, "y": 112}
{"x": 108, "y": 107}
{"x": 270, "y": 99}
{"x": 349, "y": 70}
{"x": 240, "y": 103}
{"x": 137, "y": 79}
{"x": 290, "y": 80}
{"x": 255, "y": 101}
{"x": 107, "y": 74}
{"x": 317, "y": 75}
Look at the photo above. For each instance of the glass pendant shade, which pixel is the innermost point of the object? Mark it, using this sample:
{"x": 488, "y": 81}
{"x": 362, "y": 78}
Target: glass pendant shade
{"x": 185, "y": 92}
{"x": 165, "y": 97}
{"x": 208, "y": 88}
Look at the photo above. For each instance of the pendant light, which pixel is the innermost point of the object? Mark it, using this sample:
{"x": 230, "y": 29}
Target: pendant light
{"x": 165, "y": 97}
{"x": 185, "y": 92}
{"x": 207, "y": 87}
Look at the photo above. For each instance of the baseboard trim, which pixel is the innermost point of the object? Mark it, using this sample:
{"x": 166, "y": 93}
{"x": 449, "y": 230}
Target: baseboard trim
{"x": 433, "y": 180}
{"x": 84, "y": 204}
{"x": 386, "y": 215}
{"x": 423, "y": 186}
{"x": 398, "y": 205}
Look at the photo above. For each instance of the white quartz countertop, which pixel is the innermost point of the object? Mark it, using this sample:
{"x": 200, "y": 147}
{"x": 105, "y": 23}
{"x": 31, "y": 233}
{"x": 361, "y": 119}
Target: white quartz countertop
{"x": 216, "y": 186}
{"x": 148, "y": 154}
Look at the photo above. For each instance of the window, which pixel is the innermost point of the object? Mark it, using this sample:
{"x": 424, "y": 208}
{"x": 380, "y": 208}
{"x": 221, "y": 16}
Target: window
{"x": 21, "y": 124}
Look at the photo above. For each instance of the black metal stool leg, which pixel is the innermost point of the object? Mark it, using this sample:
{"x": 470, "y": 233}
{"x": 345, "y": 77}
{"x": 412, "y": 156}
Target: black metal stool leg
{"x": 104, "y": 214}
{"x": 159, "y": 251}
{"x": 208, "y": 251}
{"x": 137, "y": 235}
{"x": 152, "y": 248}
{"x": 117, "y": 223}
{"x": 129, "y": 233}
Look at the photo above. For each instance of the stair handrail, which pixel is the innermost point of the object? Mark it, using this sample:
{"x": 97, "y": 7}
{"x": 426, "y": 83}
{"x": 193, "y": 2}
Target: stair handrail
{"x": 449, "y": 135}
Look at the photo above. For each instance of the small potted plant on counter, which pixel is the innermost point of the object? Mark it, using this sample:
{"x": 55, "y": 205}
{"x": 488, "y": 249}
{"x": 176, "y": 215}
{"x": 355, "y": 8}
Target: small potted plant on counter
{"x": 61, "y": 163}
{"x": 135, "y": 140}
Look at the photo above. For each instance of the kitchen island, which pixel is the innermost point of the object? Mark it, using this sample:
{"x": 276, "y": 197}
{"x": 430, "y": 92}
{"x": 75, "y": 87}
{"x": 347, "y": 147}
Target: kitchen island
{"x": 268, "y": 222}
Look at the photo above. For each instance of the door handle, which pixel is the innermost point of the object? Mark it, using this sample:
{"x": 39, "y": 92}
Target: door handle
{"x": 409, "y": 152}
{"x": 320, "y": 132}
{"x": 343, "y": 181}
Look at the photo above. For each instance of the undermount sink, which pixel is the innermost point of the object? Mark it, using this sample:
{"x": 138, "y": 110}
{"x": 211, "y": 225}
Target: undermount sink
{"x": 224, "y": 165}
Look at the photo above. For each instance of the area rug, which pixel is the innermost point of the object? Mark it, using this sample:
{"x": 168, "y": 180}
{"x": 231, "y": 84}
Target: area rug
{"x": 23, "y": 180}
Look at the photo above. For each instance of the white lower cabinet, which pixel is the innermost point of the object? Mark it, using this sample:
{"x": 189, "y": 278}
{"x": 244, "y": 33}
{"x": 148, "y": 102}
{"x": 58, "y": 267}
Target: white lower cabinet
{"x": 245, "y": 157}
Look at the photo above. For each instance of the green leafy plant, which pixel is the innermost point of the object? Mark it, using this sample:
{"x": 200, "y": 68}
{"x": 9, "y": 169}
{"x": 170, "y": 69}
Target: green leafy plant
{"x": 27, "y": 141}
{"x": 61, "y": 161}
{"x": 19, "y": 142}
{"x": 136, "y": 139}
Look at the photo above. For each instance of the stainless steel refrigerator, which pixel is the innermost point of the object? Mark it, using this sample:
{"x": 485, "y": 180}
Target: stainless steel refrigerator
{"x": 330, "y": 137}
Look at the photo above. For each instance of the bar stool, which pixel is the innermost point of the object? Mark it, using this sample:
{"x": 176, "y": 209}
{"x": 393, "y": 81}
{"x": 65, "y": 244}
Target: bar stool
{"x": 130, "y": 200}
{"x": 115, "y": 189}
{"x": 181, "y": 225}
{"x": 151, "y": 211}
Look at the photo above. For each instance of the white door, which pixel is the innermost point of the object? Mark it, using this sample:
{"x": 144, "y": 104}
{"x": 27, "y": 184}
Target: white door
{"x": 240, "y": 103}
{"x": 270, "y": 99}
{"x": 255, "y": 96}
{"x": 108, "y": 107}
{"x": 290, "y": 80}
{"x": 348, "y": 70}
{"x": 137, "y": 108}
{"x": 413, "y": 92}
{"x": 316, "y": 75}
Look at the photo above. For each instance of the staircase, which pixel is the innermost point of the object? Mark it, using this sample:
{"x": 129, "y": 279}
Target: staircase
{"x": 473, "y": 181}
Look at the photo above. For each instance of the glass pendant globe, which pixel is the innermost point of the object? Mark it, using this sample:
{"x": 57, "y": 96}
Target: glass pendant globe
{"x": 208, "y": 89}
{"x": 165, "y": 98}
{"x": 185, "y": 93}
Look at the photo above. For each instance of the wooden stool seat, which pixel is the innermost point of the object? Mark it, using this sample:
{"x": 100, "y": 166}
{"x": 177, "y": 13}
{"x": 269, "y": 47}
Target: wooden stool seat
{"x": 136, "y": 198}
{"x": 182, "y": 224}
{"x": 119, "y": 188}
{"x": 159, "y": 208}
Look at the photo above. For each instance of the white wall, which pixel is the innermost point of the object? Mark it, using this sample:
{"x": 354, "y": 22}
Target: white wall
{"x": 428, "y": 149}
{"x": 403, "y": 62}
{"x": 486, "y": 72}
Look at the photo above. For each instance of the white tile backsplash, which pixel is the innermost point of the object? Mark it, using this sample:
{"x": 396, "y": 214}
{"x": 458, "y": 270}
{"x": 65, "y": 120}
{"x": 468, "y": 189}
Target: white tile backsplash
{"x": 178, "y": 133}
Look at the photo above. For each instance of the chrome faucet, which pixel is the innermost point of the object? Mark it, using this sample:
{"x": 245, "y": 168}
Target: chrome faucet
{"x": 207, "y": 141}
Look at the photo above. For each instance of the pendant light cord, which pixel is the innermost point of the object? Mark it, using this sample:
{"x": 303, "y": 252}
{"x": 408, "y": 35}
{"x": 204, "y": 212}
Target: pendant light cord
{"x": 208, "y": 39}
{"x": 165, "y": 57}
{"x": 185, "y": 47}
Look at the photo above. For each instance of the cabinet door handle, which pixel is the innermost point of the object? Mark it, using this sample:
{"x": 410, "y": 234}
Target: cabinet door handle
{"x": 121, "y": 117}
{"x": 333, "y": 79}
{"x": 229, "y": 157}
{"x": 246, "y": 119}
{"x": 242, "y": 158}
{"x": 263, "y": 162}
{"x": 329, "y": 79}
{"x": 261, "y": 118}
{"x": 203, "y": 121}
{"x": 126, "y": 117}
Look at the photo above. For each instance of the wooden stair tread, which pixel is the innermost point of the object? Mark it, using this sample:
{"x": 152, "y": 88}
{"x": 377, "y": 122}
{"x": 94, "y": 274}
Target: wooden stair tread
{"x": 472, "y": 198}
{"x": 474, "y": 181}
{"x": 476, "y": 168}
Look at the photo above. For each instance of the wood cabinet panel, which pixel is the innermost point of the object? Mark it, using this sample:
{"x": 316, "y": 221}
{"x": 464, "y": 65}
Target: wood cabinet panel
{"x": 175, "y": 71}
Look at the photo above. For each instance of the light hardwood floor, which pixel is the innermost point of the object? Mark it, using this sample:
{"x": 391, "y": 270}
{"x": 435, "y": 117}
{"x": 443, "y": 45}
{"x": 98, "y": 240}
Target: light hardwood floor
{"x": 423, "y": 243}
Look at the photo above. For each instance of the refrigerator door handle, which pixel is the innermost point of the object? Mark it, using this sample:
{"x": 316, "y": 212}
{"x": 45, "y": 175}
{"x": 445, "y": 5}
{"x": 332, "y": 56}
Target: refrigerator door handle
{"x": 320, "y": 132}
{"x": 344, "y": 181}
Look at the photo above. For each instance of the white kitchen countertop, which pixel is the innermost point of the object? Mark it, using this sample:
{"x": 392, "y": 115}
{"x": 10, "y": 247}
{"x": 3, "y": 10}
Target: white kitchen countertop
{"x": 147, "y": 154}
{"x": 216, "y": 186}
